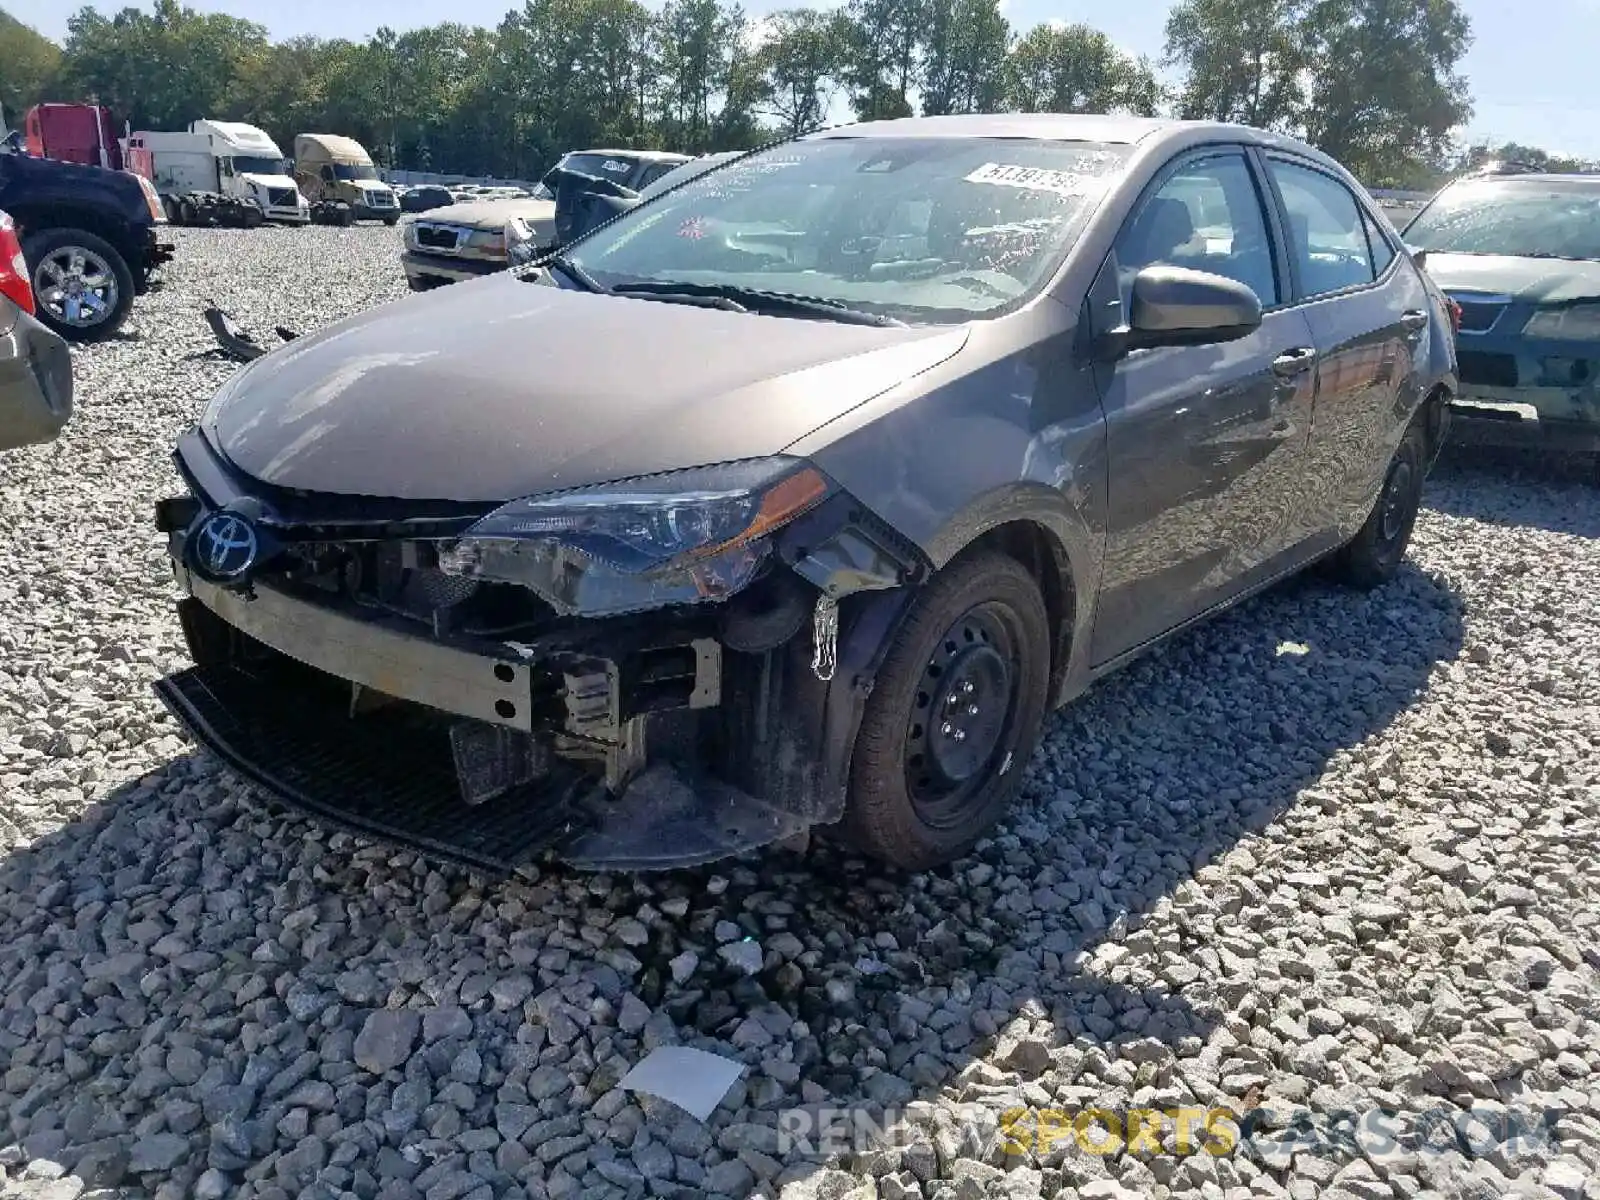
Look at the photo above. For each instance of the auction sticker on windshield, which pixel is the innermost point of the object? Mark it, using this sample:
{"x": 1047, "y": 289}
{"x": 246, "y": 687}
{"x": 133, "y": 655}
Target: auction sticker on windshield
{"x": 1036, "y": 179}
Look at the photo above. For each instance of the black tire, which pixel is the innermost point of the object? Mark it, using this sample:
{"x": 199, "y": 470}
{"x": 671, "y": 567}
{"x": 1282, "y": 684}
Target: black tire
{"x": 1374, "y": 555}
{"x": 919, "y": 796}
{"x": 391, "y": 221}
{"x": 117, "y": 298}
{"x": 347, "y": 217}
{"x": 186, "y": 212}
{"x": 254, "y": 218}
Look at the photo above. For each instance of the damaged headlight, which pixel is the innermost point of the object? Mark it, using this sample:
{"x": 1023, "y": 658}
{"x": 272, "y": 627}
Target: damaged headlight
{"x": 522, "y": 243}
{"x": 685, "y": 537}
{"x": 1566, "y": 323}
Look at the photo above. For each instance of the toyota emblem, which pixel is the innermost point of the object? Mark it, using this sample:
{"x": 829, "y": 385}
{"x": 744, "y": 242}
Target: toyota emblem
{"x": 225, "y": 546}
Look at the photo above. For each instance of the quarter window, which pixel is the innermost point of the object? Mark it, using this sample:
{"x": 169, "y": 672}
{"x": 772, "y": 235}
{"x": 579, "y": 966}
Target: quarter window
{"x": 1382, "y": 250}
{"x": 1327, "y": 230}
{"x": 1207, "y": 217}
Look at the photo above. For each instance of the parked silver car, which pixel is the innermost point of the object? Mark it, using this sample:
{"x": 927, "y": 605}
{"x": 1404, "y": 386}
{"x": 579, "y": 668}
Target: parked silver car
{"x": 798, "y": 495}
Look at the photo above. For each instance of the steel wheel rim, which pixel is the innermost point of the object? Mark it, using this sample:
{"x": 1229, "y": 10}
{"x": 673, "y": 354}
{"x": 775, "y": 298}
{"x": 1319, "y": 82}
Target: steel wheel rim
{"x": 1396, "y": 500}
{"x": 76, "y": 286}
{"x": 951, "y": 750}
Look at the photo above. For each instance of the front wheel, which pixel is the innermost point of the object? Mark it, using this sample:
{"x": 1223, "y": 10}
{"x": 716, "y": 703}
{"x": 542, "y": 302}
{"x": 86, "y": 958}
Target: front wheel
{"x": 391, "y": 221}
{"x": 1374, "y": 555}
{"x": 953, "y": 715}
{"x": 81, "y": 285}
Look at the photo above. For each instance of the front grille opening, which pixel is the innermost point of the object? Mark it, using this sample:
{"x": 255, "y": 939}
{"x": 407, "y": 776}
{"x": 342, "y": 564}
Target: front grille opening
{"x": 1488, "y": 370}
{"x": 436, "y": 239}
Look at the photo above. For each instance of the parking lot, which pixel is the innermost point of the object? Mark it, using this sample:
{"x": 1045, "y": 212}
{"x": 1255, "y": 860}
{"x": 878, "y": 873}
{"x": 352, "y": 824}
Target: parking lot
{"x": 1331, "y": 854}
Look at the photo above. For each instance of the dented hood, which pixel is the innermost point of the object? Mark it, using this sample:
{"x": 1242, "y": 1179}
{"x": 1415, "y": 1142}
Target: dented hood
{"x": 502, "y": 388}
{"x": 1527, "y": 280}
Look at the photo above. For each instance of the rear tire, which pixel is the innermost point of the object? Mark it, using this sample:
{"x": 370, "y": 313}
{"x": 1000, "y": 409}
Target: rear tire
{"x": 953, "y": 715}
{"x": 1374, "y": 555}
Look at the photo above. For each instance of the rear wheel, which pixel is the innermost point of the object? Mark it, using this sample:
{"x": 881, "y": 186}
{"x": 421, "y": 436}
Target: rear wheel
{"x": 953, "y": 715}
{"x": 1374, "y": 555}
{"x": 82, "y": 287}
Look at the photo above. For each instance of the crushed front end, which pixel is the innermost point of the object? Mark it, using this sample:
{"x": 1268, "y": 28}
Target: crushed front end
{"x": 623, "y": 683}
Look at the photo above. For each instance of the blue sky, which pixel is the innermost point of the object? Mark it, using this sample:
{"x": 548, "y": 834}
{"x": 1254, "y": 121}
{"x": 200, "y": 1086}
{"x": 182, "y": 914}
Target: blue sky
{"x": 1531, "y": 68}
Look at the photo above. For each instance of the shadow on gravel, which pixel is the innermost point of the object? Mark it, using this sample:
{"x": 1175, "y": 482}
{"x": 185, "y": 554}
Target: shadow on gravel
{"x": 1529, "y": 488}
{"x": 902, "y": 982}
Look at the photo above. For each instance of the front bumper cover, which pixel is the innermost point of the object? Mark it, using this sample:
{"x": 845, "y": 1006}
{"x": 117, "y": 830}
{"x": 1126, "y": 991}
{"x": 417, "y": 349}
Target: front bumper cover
{"x": 421, "y": 265}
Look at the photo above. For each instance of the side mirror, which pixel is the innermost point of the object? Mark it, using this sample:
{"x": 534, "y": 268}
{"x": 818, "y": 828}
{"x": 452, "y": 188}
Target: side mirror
{"x": 1175, "y": 306}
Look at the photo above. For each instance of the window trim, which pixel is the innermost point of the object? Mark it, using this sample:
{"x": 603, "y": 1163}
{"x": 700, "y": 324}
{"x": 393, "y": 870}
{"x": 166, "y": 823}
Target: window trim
{"x": 1276, "y": 243}
{"x": 1268, "y": 157}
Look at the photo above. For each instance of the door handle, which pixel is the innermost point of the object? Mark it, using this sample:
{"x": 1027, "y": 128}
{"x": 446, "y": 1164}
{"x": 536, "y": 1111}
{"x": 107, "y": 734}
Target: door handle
{"x": 1414, "y": 319}
{"x": 1294, "y": 362}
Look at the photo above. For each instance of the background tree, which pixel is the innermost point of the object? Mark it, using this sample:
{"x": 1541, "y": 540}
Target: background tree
{"x": 1373, "y": 82}
{"x": 1077, "y": 69}
{"x": 1243, "y": 60}
{"x": 1385, "y": 92}
{"x": 802, "y": 57}
{"x": 963, "y": 50}
{"x": 29, "y": 65}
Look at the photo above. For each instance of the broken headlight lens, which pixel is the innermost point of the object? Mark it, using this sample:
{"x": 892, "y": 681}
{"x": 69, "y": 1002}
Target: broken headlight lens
{"x": 685, "y": 537}
{"x": 522, "y": 243}
{"x": 1566, "y": 323}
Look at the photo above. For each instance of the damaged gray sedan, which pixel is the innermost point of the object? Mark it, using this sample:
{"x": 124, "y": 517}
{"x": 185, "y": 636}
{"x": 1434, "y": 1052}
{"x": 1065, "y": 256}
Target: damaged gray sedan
{"x": 798, "y": 495}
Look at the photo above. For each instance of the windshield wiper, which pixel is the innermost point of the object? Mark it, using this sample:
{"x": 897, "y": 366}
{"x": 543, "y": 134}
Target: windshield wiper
{"x": 759, "y": 300}
{"x": 577, "y": 274}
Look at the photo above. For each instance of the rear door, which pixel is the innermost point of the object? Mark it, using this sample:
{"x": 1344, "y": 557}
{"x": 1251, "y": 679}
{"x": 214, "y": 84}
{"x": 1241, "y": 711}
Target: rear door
{"x": 1204, "y": 442}
{"x": 1368, "y": 312}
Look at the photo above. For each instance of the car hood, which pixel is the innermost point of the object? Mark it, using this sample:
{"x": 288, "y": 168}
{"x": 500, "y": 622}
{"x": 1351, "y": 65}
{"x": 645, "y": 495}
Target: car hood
{"x": 500, "y": 388}
{"x": 493, "y": 214}
{"x": 1528, "y": 280}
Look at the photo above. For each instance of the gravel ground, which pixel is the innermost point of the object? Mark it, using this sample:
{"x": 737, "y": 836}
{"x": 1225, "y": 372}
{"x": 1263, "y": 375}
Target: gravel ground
{"x": 1331, "y": 854}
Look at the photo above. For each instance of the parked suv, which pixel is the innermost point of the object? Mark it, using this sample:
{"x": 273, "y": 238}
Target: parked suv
{"x": 90, "y": 236}
{"x": 798, "y": 495}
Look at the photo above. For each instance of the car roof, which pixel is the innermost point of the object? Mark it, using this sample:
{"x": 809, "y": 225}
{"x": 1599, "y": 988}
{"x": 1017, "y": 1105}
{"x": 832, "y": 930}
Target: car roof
{"x": 1534, "y": 177}
{"x": 639, "y": 154}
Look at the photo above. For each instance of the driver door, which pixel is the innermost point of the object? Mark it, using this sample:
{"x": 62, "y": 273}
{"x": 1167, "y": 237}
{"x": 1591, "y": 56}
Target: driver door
{"x": 1204, "y": 443}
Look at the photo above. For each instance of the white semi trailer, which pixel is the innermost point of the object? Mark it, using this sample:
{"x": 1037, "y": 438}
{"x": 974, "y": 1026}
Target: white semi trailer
{"x": 219, "y": 171}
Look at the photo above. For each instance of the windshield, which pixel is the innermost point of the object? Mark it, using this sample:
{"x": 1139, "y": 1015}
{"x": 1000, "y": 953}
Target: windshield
{"x": 922, "y": 229}
{"x": 1526, "y": 218}
{"x": 257, "y": 166}
{"x": 351, "y": 173}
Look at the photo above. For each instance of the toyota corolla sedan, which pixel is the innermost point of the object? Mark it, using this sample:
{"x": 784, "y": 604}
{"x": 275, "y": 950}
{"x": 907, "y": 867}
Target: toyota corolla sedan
{"x": 800, "y": 494}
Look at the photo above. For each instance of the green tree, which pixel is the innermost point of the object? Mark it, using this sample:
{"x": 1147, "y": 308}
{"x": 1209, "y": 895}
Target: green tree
{"x": 31, "y": 64}
{"x": 1385, "y": 92}
{"x": 803, "y": 59}
{"x": 1243, "y": 60}
{"x": 161, "y": 69}
{"x": 1076, "y": 69}
{"x": 964, "y": 48}
{"x": 882, "y": 55}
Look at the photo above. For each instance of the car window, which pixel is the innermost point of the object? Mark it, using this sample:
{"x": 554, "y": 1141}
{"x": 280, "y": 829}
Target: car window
{"x": 921, "y": 229}
{"x": 654, "y": 172}
{"x": 1207, "y": 217}
{"x": 1327, "y": 233}
{"x": 1382, "y": 249}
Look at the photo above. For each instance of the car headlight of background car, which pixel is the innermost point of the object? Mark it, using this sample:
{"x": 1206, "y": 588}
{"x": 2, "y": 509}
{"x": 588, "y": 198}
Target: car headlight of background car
{"x": 522, "y": 243}
{"x": 1567, "y": 323}
{"x": 685, "y": 537}
{"x": 492, "y": 240}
